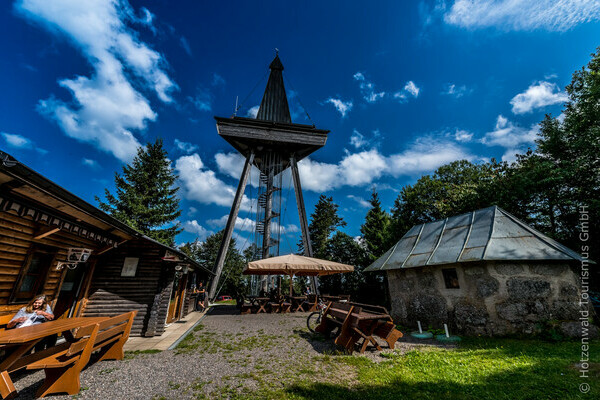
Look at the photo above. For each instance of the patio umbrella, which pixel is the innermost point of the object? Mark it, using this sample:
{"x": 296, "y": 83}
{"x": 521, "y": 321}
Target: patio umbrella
{"x": 295, "y": 265}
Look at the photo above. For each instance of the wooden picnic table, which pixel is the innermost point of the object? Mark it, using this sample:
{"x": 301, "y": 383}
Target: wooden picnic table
{"x": 355, "y": 323}
{"x": 297, "y": 302}
{"x": 21, "y": 340}
{"x": 261, "y": 303}
{"x": 343, "y": 297}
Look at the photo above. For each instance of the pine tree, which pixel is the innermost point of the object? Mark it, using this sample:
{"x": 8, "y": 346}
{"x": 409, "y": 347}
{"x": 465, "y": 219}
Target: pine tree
{"x": 375, "y": 229}
{"x": 324, "y": 221}
{"x": 374, "y": 240}
{"x": 145, "y": 196}
{"x": 205, "y": 253}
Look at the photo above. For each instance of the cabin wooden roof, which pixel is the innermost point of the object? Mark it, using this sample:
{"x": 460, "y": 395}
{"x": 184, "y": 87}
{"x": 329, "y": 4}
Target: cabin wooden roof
{"x": 21, "y": 184}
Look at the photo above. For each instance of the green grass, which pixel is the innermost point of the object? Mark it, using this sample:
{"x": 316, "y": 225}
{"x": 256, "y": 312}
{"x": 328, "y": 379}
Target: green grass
{"x": 478, "y": 369}
{"x": 132, "y": 354}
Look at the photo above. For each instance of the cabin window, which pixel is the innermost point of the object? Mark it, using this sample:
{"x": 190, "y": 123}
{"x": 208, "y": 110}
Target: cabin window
{"x": 451, "y": 278}
{"x": 33, "y": 275}
{"x": 130, "y": 266}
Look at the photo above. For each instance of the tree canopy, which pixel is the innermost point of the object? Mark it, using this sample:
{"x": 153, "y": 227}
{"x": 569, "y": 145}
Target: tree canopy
{"x": 205, "y": 253}
{"x": 145, "y": 196}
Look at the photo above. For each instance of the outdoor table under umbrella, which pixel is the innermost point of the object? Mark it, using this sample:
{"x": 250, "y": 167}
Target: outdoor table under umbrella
{"x": 294, "y": 265}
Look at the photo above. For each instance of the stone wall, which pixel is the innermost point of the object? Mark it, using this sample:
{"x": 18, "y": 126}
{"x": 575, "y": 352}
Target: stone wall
{"x": 493, "y": 299}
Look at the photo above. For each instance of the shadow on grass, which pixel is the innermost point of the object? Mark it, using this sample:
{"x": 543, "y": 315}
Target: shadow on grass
{"x": 320, "y": 343}
{"x": 479, "y": 369}
{"x": 511, "y": 385}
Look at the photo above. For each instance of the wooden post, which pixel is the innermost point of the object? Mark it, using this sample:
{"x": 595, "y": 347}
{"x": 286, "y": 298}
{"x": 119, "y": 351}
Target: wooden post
{"x": 235, "y": 208}
{"x": 303, "y": 220}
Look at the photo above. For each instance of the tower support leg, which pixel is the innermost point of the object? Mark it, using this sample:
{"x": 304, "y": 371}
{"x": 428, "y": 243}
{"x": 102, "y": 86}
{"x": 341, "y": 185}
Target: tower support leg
{"x": 306, "y": 243}
{"x": 235, "y": 208}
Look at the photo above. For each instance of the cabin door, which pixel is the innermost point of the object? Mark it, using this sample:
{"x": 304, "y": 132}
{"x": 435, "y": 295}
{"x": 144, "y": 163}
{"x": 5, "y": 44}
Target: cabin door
{"x": 69, "y": 291}
{"x": 176, "y": 301}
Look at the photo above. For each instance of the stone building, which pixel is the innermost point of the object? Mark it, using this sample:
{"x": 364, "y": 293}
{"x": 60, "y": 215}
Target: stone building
{"x": 484, "y": 272}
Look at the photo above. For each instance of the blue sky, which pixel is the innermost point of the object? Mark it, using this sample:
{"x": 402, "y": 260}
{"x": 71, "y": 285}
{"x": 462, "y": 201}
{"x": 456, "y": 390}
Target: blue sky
{"x": 404, "y": 87}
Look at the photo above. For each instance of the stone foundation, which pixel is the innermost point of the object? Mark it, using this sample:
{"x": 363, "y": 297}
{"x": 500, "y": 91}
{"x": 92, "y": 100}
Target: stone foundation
{"x": 493, "y": 298}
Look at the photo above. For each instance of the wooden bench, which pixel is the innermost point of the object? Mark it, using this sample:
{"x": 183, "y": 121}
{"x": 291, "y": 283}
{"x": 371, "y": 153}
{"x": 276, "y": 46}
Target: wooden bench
{"x": 63, "y": 364}
{"x": 358, "y": 321}
{"x": 335, "y": 315}
{"x": 4, "y": 320}
{"x": 311, "y": 303}
{"x": 386, "y": 329}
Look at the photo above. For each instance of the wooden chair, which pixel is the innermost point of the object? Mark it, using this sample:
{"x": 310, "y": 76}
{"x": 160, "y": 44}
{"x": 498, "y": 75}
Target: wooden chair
{"x": 62, "y": 368}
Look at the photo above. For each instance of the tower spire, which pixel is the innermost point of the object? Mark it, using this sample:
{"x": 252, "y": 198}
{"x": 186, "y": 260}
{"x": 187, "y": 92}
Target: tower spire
{"x": 274, "y": 105}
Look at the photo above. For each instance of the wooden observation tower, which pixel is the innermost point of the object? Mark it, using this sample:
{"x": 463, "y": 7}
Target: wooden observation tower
{"x": 271, "y": 143}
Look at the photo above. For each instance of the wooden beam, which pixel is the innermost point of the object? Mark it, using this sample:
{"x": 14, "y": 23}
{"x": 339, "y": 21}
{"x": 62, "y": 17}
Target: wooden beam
{"x": 303, "y": 220}
{"x": 46, "y": 231}
{"x": 105, "y": 249}
{"x": 235, "y": 208}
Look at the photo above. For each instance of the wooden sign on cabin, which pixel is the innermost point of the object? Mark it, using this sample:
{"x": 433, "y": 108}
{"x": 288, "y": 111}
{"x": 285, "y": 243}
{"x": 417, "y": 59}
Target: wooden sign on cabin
{"x": 170, "y": 256}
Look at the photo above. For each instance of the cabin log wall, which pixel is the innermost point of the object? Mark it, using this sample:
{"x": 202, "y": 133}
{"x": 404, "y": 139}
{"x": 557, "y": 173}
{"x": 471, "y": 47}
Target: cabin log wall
{"x": 112, "y": 294}
{"x": 16, "y": 239}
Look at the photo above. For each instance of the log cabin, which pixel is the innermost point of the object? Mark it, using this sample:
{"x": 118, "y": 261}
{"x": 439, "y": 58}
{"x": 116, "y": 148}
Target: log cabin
{"x": 85, "y": 261}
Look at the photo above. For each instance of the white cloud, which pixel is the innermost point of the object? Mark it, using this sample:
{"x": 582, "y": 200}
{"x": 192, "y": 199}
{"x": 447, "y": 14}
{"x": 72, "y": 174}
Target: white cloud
{"x": 253, "y": 112}
{"x": 186, "y": 45}
{"x": 410, "y": 90}
{"x": 538, "y": 95}
{"x": 522, "y": 15}
{"x": 248, "y": 225}
{"x": 362, "y": 168}
{"x": 106, "y": 107}
{"x": 318, "y": 176}
{"x": 509, "y": 135}
{"x": 425, "y": 155}
{"x": 185, "y": 146}
{"x": 456, "y": 91}
{"x": 192, "y": 211}
{"x": 361, "y": 202}
{"x": 17, "y": 141}
{"x": 367, "y": 88}
{"x": 200, "y": 184}
{"x": 88, "y": 162}
{"x": 343, "y": 107}
{"x": 202, "y": 100}
{"x": 21, "y": 142}
{"x": 241, "y": 224}
{"x": 463, "y": 136}
{"x": 358, "y": 140}
{"x": 197, "y": 229}
{"x": 232, "y": 164}
{"x": 217, "y": 80}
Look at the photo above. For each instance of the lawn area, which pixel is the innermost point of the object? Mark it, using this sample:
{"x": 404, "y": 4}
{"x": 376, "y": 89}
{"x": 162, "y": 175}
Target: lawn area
{"x": 285, "y": 361}
{"x": 478, "y": 369}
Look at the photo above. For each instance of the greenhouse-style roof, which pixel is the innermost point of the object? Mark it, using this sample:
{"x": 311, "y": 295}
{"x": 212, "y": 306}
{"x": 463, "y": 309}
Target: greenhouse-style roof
{"x": 487, "y": 234}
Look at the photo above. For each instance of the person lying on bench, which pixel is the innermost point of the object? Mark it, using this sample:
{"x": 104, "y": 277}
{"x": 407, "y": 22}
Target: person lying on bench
{"x": 36, "y": 312}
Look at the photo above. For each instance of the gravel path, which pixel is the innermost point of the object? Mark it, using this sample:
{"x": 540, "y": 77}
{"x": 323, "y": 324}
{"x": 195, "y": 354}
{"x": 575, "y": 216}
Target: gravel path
{"x": 228, "y": 356}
